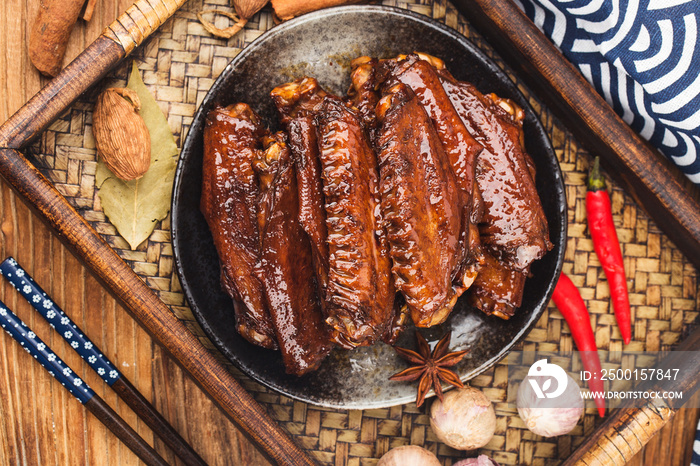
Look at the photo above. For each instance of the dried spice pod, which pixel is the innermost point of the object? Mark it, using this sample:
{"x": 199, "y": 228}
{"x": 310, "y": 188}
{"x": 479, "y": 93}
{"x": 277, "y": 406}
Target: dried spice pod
{"x": 245, "y": 9}
{"x": 431, "y": 368}
{"x": 121, "y": 136}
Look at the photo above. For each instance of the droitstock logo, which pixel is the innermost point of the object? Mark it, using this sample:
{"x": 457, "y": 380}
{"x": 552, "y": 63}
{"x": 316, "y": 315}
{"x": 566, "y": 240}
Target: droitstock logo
{"x": 624, "y": 379}
{"x": 544, "y": 372}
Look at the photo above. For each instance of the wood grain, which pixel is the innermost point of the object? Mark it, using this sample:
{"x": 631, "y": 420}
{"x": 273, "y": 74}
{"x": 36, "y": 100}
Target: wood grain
{"x": 119, "y": 427}
{"x": 45, "y": 425}
{"x": 673, "y": 441}
{"x": 153, "y": 419}
{"x": 151, "y": 312}
{"x": 42, "y": 423}
{"x": 120, "y": 38}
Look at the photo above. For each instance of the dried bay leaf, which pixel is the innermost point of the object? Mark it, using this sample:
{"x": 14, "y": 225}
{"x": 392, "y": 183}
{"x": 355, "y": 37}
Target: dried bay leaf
{"x": 134, "y": 207}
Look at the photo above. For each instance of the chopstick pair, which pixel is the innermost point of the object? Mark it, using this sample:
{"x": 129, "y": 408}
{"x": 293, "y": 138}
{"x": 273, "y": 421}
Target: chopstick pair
{"x": 59, "y": 321}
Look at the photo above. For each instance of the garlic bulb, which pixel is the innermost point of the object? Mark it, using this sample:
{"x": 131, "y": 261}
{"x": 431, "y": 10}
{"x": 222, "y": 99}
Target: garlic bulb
{"x": 408, "y": 455}
{"x": 481, "y": 460}
{"x": 549, "y": 417}
{"x": 464, "y": 419}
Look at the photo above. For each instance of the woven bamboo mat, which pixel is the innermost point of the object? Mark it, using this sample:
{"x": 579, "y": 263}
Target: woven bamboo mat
{"x": 180, "y": 63}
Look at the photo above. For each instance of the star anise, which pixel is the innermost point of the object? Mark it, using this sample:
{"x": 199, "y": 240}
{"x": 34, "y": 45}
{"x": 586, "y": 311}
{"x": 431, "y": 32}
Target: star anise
{"x": 430, "y": 368}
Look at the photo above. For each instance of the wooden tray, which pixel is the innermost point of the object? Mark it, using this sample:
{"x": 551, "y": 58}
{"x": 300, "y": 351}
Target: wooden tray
{"x": 179, "y": 70}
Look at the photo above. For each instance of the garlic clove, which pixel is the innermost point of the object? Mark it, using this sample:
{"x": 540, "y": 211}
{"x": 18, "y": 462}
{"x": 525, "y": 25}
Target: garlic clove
{"x": 464, "y": 419}
{"x": 408, "y": 455}
{"x": 550, "y": 417}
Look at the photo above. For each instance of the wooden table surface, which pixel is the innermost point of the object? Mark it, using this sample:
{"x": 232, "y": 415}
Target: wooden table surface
{"x": 40, "y": 423}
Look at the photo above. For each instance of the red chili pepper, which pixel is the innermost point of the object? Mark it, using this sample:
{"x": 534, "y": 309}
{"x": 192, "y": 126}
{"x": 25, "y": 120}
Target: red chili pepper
{"x": 607, "y": 248}
{"x": 570, "y": 303}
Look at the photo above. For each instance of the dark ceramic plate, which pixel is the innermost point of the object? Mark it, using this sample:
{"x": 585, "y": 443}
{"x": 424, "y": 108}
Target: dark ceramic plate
{"x": 321, "y": 44}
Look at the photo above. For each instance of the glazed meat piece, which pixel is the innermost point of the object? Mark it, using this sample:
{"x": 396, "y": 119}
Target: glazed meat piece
{"x": 303, "y": 142}
{"x": 229, "y": 201}
{"x": 363, "y": 93}
{"x": 360, "y": 294}
{"x": 312, "y": 215}
{"x": 298, "y": 103}
{"x": 422, "y": 208}
{"x": 286, "y": 266}
{"x": 302, "y": 97}
{"x": 421, "y": 77}
{"x": 514, "y": 227}
{"x": 498, "y": 289}
{"x": 419, "y": 74}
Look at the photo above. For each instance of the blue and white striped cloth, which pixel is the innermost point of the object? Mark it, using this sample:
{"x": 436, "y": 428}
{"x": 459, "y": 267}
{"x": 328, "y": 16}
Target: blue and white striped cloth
{"x": 643, "y": 57}
{"x": 695, "y": 460}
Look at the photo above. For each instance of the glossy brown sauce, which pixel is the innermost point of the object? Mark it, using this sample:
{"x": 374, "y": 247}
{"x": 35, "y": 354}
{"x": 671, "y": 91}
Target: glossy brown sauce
{"x": 230, "y": 192}
{"x": 390, "y": 202}
{"x": 360, "y": 292}
{"x": 421, "y": 206}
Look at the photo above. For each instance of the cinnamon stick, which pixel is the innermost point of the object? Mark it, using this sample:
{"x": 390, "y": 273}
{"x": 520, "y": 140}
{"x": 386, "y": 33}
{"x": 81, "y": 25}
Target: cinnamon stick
{"x": 49, "y": 35}
{"x": 89, "y": 10}
{"x": 288, "y": 9}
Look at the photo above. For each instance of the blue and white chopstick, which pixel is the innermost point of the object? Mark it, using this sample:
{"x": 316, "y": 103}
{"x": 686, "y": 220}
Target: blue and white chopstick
{"x": 58, "y": 319}
{"x": 77, "y": 339}
{"x": 76, "y": 386}
{"x": 42, "y": 353}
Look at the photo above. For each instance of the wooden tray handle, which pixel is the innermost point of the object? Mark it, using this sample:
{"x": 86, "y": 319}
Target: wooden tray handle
{"x": 154, "y": 315}
{"x": 117, "y": 41}
{"x": 624, "y": 436}
{"x": 139, "y": 21}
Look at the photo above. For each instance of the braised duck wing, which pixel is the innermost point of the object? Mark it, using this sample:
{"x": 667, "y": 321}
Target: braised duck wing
{"x": 364, "y": 96}
{"x": 363, "y": 93}
{"x": 498, "y": 289}
{"x": 286, "y": 267}
{"x": 360, "y": 293}
{"x": 422, "y": 208}
{"x": 419, "y": 73}
{"x": 298, "y": 103}
{"x": 302, "y": 97}
{"x": 229, "y": 202}
{"x": 303, "y": 142}
{"x": 421, "y": 77}
{"x": 514, "y": 227}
